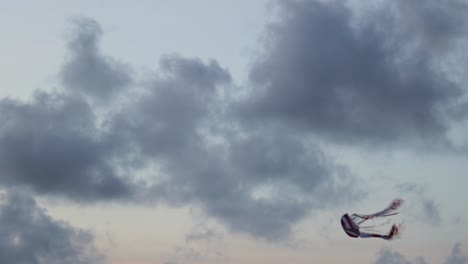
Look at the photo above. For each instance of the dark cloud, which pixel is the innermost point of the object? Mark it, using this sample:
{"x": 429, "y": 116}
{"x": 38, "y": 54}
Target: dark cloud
{"x": 170, "y": 115}
{"x": 30, "y": 235}
{"x": 326, "y": 71}
{"x": 256, "y": 182}
{"x": 88, "y": 71}
{"x": 180, "y": 132}
{"x": 432, "y": 25}
{"x": 51, "y": 145}
{"x": 256, "y": 195}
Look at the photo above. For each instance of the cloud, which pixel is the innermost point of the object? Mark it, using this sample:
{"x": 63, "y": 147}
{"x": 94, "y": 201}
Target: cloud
{"x": 168, "y": 117}
{"x": 358, "y": 78}
{"x": 432, "y": 25}
{"x": 29, "y": 235}
{"x": 202, "y": 244}
{"x": 388, "y": 256}
{"x": 255, "y": 182}
{"x": 89, "y": 72}
{"x": 175, "y": 141}
{"x": 432, "y": 212}
{"x": 202, "y": 232}
{"x": 51, "y": 146}
{"x": 428, "y": 209}
{"x": 456, "y": 257}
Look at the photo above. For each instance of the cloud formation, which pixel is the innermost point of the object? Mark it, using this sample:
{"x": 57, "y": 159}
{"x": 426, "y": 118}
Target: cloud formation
{"x": 203, "y": 244}
{"x": 377, "y": 76}
{"x": 431, "y": 211}
{"x": 89, "y": 72}
{"x": 256, "y": 182}
{"x": 179, "y": 129}
{"x": 457, "y": 256}
{"x": 51, "y": 146}
{"x": 388, "y": 256}
{"x": 29, "y": 235}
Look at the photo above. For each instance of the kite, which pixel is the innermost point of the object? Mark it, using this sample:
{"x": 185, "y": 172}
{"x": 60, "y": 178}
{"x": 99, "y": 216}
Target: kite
{"x": 352, "y": 225}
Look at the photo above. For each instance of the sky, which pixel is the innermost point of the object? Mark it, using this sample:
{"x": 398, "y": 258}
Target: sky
{"x": 176, "y": 132}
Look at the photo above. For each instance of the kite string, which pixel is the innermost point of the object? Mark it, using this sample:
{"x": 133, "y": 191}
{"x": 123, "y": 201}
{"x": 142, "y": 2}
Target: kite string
{"x": 373, "y": 226}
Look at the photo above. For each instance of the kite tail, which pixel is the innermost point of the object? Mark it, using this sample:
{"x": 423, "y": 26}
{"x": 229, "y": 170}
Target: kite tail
{"x": 389, "y": 211}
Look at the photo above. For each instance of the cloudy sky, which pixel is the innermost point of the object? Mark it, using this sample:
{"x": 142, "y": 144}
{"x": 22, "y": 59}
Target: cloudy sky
{"x": 215, "y": 131}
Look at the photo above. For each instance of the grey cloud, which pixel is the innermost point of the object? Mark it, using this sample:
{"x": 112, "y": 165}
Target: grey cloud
{"x": 185, "y": 254}
{"x": 458, "y": 220}
{"x": 428, "y": 209}
{"x": 168, "y": 117}
{"x": 253, "y": 180}
{"x": 323, "y": 73}
{"x": 194, "y": 71}
{"x": 165, "y": 125}
{"x": 231, "y": 190}
{"x": 30, "y": 235}
{"x": 457, "y": 256}
{"x": 274, "y": 155}
{"x": 202, "y": 244}
{"x": 431, "y": 211}
{"x": 88, "y": 71}
{"x": 51, "y": 145}
{"x": 202, "y": 232}
{"x": 388, "y": 256}
{"x": 433, "y": 25}
{"x": 410, "y": 187}
{"x": 173, "y": 125}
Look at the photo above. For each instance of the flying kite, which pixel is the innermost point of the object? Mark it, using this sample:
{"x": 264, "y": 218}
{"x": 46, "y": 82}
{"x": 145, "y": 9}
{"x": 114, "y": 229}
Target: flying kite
{"x": 352, "y": 225}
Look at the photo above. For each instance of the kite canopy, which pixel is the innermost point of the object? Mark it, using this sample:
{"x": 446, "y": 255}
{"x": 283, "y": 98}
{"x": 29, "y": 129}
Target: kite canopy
{"x": 349, "y": 226}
